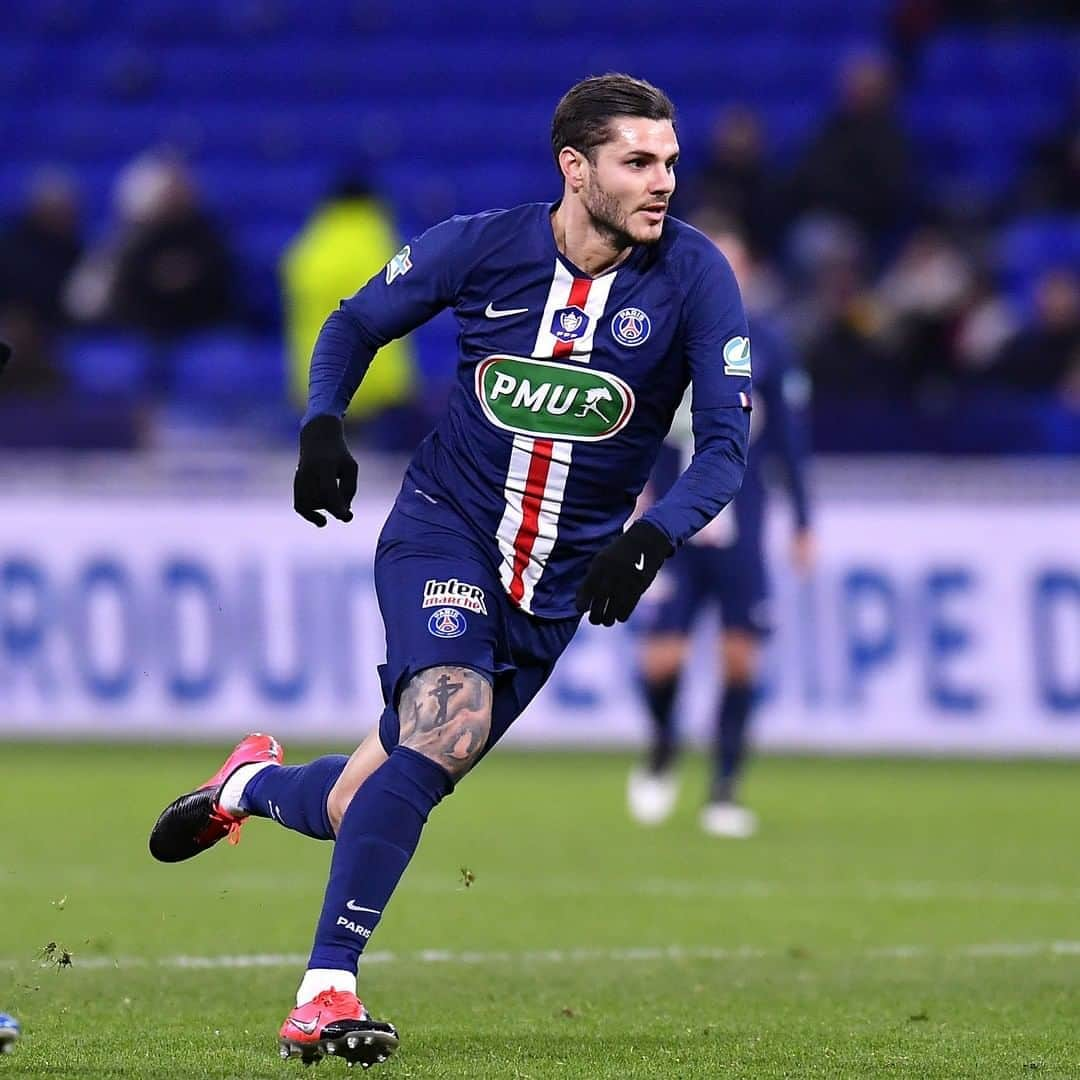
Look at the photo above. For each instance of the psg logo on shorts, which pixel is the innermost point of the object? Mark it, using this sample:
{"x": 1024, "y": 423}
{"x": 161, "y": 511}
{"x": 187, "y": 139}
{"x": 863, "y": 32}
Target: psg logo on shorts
{"x": 631, "y": 327}
{"x": 447, "y": 622}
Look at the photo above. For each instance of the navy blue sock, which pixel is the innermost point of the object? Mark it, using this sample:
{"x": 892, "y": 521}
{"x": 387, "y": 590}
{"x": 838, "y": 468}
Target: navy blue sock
{"x": 377, "y": 838}
{"x": 295, "y": 795}
{"x": 660, "y": 698}
{"x": 730, "y": 746}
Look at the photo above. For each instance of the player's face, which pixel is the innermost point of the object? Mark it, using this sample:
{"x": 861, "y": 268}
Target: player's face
{"x": 630, "y": 183}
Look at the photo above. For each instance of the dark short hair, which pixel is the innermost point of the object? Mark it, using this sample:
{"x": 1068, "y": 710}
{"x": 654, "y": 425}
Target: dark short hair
{"x": 583, "y": 117}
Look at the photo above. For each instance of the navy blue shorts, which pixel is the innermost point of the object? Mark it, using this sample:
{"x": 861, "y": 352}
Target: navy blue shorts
{"x": 733, "y": 578}
{"x": 442, "y": 603}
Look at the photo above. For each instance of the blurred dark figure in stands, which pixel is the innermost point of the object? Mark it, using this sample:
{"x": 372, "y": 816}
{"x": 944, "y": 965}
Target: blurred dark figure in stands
{"x": 839, "y": 322}
{"x": 37, "y": 253}
{"x": 349, "y": 237}
{"x": 910, "y": 24}
{"x": 988, "y": 322}
{"x": 1052, "y": 184}
{"x": 923, "y": 296}
{"x": 173, "y": 273}
{"x": 858, "y": 165}
{"x": 1045, "y": 357}
{"x": 167, "y": 272}
{"x": 736, "y": 181}
{"x": 913, "y": 21}
{"x": 991, "y": 11}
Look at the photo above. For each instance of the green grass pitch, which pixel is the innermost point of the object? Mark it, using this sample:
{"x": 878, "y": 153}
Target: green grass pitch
{"x": 892, "y": 919}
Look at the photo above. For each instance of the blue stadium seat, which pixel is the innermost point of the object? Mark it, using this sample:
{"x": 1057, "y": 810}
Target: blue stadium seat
{"x": 993, "y": 65}
{"x": 107, "y": 364}
{"x": 256, "y": 192}
{"x": 1034, "y": 245}
{"x": 227, "y": 366}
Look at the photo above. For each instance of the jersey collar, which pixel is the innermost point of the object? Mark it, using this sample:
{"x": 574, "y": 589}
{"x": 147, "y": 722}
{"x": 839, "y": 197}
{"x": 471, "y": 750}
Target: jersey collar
{"x": 637, "y": 252}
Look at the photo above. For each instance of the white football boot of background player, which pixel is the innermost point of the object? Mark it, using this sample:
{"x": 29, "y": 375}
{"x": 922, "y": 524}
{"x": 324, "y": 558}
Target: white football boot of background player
{"x": 728, "y": 819}
{"x": 651, "y": 797}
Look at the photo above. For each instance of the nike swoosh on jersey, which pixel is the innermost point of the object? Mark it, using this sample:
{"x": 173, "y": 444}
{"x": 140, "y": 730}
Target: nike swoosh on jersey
{"x": 491, "y": 312}
{"x": 640, "y": 564}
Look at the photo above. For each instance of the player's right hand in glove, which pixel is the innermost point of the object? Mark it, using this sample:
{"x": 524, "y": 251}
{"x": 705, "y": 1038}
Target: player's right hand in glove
{"x": 619, "y": 574}
{"x": 326, "y": 473}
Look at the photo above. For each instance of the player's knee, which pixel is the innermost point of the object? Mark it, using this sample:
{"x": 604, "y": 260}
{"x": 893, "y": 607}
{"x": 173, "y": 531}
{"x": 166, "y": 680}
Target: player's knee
{"x": 341, "y": 795}
{"x": 662, "y": 657}
{"x": 740, "y": 657}
{"x": 338, "y": 802}
{"x": 445, "y": 714}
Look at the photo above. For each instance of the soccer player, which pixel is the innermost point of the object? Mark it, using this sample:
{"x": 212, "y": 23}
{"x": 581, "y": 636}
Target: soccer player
{"x": 722, "y": 565}
{"x": 581, "y": 324}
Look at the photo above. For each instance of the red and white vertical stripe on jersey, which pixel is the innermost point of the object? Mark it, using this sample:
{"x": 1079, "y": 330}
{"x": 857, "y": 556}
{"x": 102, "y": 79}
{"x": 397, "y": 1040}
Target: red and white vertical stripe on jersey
{"x": 536, "y": 478}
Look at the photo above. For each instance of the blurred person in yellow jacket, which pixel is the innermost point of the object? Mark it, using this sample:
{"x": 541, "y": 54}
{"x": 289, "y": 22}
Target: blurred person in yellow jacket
{"x": 350, "y": 237}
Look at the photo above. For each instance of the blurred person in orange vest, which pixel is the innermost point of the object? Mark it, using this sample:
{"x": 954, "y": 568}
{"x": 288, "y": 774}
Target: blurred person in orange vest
{"x": 349, "y": 237}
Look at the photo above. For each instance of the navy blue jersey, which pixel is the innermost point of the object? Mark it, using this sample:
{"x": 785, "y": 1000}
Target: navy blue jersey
{"x": 566, "y": 385}
{"x": 777, "y": 431}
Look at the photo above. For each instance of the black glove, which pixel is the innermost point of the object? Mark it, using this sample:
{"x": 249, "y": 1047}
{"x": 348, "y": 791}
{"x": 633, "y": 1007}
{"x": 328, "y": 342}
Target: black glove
{"x": 326, "y": 474}
{"x": 620, "y": 574}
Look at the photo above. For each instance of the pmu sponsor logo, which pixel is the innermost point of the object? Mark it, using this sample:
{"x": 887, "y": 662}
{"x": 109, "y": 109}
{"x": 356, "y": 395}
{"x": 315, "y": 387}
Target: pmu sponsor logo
{"x": 353, "y": 928}
{"x": 454, "y": 593}
{"x": 551, "y": 400}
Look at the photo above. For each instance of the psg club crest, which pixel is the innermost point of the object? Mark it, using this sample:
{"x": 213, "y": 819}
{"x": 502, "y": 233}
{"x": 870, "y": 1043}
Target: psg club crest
{"x": 447, "y": 622}
{"x": 569, "y": 323}
{"x": 631, "y": 327}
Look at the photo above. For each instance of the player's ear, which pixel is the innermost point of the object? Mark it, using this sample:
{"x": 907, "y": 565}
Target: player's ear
{"x": 573, "y": 164}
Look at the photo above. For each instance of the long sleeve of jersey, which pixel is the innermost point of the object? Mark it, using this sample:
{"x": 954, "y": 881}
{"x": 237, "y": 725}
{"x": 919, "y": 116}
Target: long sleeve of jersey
{"x": 417, "y": 283}
{"x": 718, "y": 356}
{"x": 783, "y": 395}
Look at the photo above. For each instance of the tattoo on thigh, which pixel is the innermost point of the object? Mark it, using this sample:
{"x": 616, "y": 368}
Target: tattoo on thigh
{"x": 445, "y": 714}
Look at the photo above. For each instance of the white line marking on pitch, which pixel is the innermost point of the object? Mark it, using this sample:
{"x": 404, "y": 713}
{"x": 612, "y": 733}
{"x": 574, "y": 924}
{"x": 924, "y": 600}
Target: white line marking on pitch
{"x": 1002, "y": 949}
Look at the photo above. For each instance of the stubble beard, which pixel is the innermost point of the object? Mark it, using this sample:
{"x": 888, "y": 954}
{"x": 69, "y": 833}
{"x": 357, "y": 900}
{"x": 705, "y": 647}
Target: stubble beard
{"x": 609, "y": 219}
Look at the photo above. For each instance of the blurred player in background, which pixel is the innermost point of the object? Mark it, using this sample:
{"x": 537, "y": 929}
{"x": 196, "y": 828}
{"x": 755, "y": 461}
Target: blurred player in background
{"x": 723, "y": 565}
{"x": 581, "y": 324}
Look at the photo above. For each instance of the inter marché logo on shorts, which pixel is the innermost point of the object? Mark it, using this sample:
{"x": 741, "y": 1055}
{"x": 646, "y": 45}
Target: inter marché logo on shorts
{"x": 552, "y": 400}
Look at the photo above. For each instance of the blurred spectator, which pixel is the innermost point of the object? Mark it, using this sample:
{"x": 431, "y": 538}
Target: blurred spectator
{"x": 349, "y": 238}
{"x": 763, "y": 287}
{"x": 37, "y": 253}
{"x": 1008, "y": 10}
{"x": 839, "y": 321}
{"x": 987, "y": 324}
{"x": 910, "y": 24}
{"x": 1053, "y": 181}
{"x": 736, "y": 180}
{"x": 1046, "y": 356}
{"x": 167, "y": 271}
{"x": 922, "y": 297}
{"x": 857, "y": 167}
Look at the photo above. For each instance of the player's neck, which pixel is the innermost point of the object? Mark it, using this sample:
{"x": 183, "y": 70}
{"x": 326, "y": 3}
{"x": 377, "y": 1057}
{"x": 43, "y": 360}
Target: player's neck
{"x": 582, "y": 243}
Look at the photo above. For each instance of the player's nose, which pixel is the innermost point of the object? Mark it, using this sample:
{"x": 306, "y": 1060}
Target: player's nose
{"x": 662, "y": 181}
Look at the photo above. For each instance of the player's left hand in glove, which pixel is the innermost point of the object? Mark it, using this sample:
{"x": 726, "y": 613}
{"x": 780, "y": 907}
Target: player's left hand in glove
{"x": 619, "y": 575}
{"x": 326, "y": 473}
